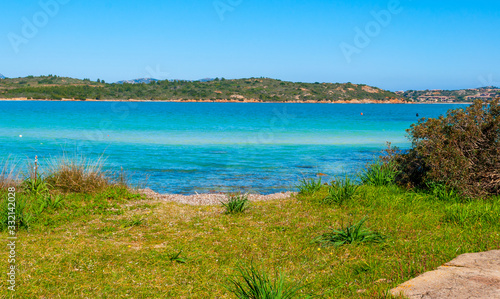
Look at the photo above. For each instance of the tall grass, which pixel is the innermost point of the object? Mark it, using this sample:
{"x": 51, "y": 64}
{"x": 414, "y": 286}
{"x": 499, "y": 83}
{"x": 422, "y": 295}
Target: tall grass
{"x": 340, "y": 191}
{"x": 253, "y": 284}
{"x": 9, "y": 176}
{"x": 309, "y": 186}
{"x": 78, "y": 175}
{"x": 379, "y": 174}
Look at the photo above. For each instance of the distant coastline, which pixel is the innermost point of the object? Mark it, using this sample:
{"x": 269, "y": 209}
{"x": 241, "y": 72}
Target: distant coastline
{"x": 363, "y": 101}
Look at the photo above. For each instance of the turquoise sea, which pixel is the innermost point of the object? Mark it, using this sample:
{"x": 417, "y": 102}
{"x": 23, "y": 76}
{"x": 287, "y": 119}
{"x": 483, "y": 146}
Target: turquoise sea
{"x": 202, "y": 147}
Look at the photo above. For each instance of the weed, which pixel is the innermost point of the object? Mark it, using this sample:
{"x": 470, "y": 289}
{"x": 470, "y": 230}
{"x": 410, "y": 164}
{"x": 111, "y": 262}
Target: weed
{"x": 308, "y": 187}
{"x": 340, "y": 191}
{"x": 350, "y": 234}
{"x": 176, "y": 257}
{"x": 258, "y": 285}
{"x": 236, "y": 203}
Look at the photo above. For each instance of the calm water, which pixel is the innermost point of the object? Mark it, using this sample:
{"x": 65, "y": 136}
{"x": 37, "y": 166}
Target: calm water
{"x": 199, "y": 147}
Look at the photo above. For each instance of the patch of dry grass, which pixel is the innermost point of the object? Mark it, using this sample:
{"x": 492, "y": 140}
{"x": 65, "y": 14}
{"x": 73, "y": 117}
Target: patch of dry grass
{"x": 77, "y": 174}
{"x": 9, "y": 176}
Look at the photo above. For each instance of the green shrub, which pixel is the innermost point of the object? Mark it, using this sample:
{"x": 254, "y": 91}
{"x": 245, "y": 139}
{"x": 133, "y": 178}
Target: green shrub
{"x": 340, "y": 191}
{"x": 379, "y": 174}
{"x": 308, "y": 187}
{"x": 461, "y": 150}
{"x": 236, "y": 203}
{"x": 350, "y": 234}
{"x": 254, "y": 284}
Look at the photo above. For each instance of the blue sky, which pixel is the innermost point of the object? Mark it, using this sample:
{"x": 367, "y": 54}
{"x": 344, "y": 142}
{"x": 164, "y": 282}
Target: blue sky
{"x": 390, "y": 44}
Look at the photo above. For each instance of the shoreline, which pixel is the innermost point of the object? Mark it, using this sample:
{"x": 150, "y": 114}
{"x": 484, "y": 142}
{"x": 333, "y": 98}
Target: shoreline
{"x": 208, "y": 199}
{"x": 364, "y": 101}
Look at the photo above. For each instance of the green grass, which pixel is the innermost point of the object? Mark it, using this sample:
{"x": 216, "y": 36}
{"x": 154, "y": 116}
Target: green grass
{"x": 236, "y": 203}
{"x": 116, "y": 243}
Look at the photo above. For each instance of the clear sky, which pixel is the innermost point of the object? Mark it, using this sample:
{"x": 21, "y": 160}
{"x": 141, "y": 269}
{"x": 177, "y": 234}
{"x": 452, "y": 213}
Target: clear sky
{"x": 396, "y": 45}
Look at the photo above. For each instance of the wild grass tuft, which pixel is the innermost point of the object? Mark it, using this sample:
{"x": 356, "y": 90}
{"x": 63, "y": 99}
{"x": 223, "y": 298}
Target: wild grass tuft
{"x": 309, "y": 186}
{"x": 236, "y": 203}
{"x": 78, "y": 175}
{"x": 253, "y": 284}
{"x": 340, "y": 191}
{"x": 379, "y": 174}
{"x": 350, "y": 234}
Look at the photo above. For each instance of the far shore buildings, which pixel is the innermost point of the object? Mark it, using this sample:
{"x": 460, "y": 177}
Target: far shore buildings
{"x": 447, "y": 96}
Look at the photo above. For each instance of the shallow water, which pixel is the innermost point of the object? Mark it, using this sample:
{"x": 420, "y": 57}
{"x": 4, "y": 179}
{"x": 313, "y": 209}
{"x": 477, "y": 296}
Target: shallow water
{"x": 202, "y": 147}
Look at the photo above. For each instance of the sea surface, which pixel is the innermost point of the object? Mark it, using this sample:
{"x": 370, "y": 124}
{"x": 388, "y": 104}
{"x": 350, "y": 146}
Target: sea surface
{"x": 209, "y": 147}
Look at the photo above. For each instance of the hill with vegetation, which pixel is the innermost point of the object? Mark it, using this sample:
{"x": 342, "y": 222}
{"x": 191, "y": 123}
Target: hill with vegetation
{"x": 252, "y": 89}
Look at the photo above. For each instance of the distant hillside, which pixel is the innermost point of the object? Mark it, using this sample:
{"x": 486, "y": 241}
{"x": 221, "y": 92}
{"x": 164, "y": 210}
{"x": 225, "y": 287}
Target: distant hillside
{"x": 2, "y": 76}
{"x": 450, "y": 96}
{"x": 252, "y": 89}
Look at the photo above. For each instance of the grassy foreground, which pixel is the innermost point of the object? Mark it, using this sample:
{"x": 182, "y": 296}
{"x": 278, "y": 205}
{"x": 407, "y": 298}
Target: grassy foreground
{"x": 115, "y": 244}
